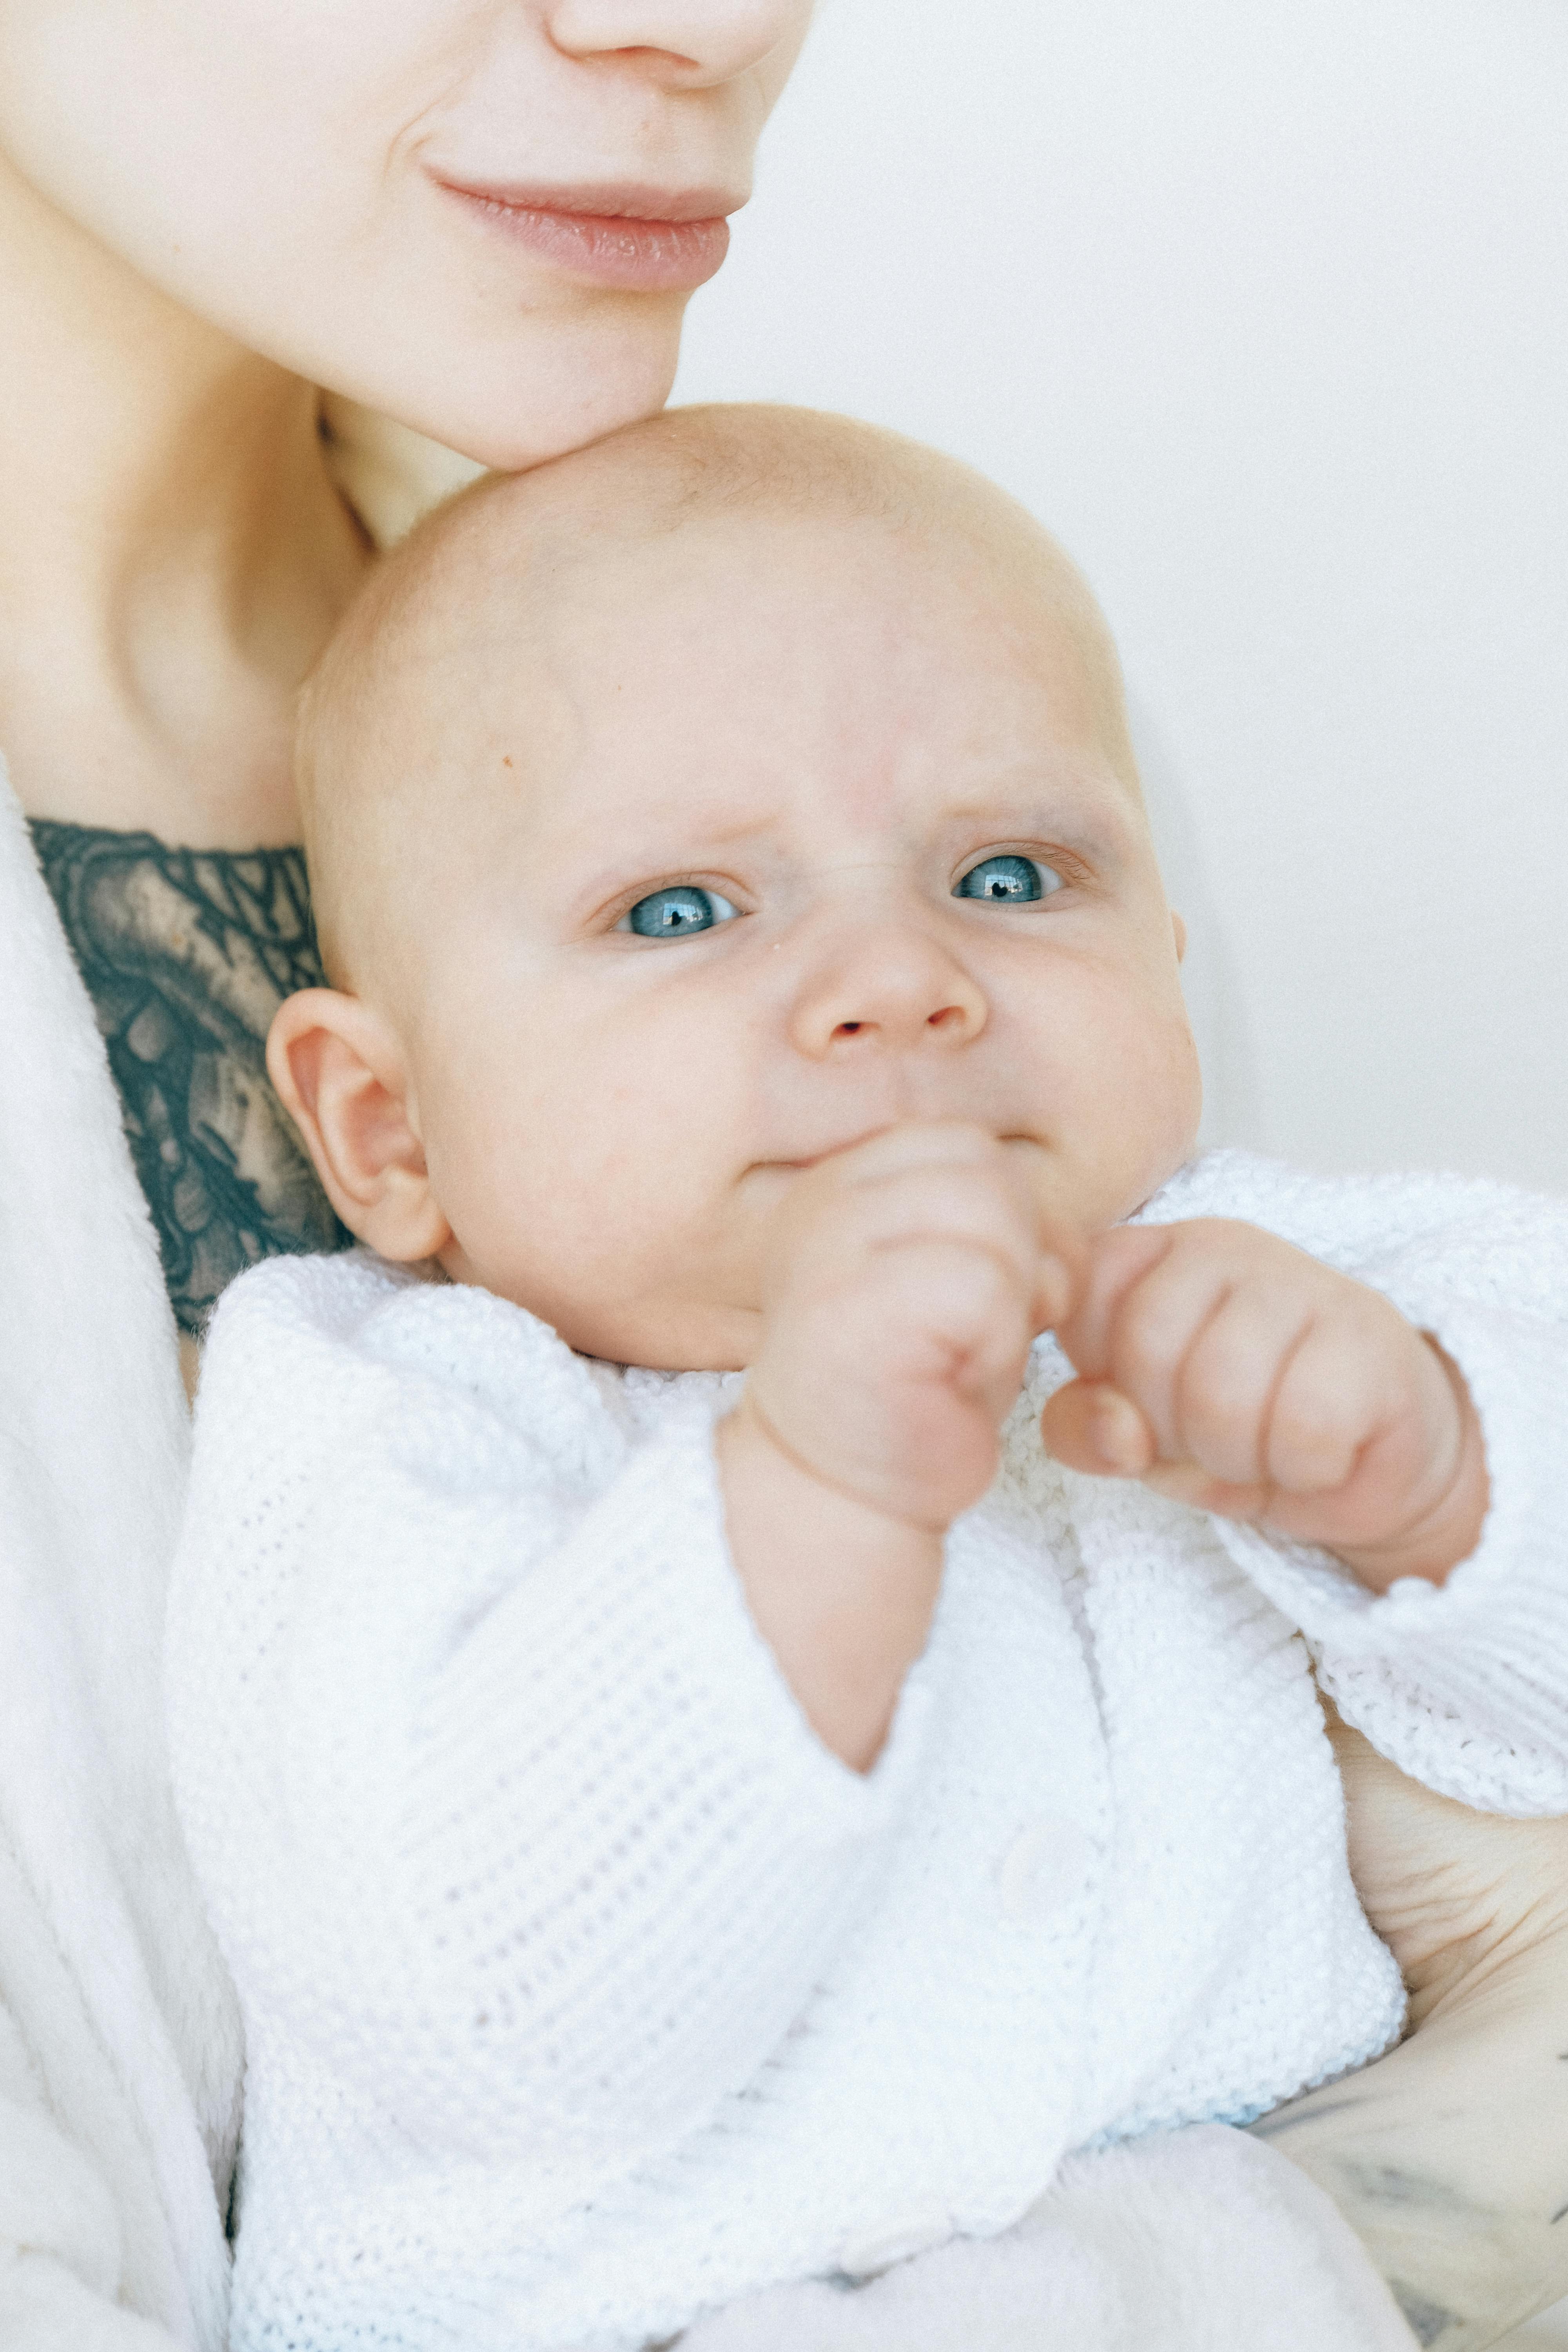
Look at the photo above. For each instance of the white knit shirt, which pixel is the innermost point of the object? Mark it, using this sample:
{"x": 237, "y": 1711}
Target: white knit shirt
{"x": 584, "y": 1989}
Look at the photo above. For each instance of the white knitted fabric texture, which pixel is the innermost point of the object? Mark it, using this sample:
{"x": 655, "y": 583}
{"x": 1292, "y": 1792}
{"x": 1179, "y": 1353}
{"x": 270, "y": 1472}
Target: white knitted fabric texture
{"x": 585, "y": 1991}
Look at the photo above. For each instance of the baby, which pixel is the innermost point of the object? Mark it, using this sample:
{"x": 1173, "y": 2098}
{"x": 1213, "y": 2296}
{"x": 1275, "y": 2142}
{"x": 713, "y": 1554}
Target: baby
{"x": 693, "y": 1791}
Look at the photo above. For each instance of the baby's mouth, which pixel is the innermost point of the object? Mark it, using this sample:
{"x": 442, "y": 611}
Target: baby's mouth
{"x": 796, "y": 1164}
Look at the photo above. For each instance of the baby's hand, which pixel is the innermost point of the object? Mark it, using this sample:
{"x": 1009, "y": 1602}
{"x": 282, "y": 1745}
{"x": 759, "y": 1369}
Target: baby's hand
{"x": 909, "y": 1277}
{"x": 1229, "y": 1370}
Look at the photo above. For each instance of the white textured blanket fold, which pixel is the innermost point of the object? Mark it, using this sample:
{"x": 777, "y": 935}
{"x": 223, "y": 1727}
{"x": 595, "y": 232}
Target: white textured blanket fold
{"x": 1200, "y": 2240}
{"x": 118, "y": 2039}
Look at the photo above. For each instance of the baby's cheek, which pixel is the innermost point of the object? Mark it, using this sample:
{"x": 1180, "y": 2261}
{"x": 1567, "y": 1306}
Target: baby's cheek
{"x": 1162, "y": 1099}
{"x": 1134, "y": 1120}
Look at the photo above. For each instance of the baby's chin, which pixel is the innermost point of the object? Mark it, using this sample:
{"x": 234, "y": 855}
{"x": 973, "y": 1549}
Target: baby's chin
{"x": 696, "y": 1338}
{"x": 663, "y": 1332}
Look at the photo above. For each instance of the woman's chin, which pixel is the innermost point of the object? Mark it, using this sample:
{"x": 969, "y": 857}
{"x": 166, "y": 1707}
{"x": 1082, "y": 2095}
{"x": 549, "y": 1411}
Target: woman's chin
{"x": 555, "y": 390}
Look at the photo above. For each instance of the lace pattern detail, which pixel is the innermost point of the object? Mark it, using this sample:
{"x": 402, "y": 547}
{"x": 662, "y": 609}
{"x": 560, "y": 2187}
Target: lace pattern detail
{"x": 187, "y": 955}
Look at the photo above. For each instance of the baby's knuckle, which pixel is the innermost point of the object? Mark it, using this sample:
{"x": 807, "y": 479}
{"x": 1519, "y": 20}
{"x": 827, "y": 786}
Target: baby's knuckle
{"x": 1223, "y": 1425}
{"x": 1312, "y": 1436}
{"x": 1146, "y": 1347}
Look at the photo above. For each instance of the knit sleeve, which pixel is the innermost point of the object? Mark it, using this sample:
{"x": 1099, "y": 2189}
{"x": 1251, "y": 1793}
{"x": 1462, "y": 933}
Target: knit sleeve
{"x": 1464, "y": 1685}
{"x": 506, "y": 1811}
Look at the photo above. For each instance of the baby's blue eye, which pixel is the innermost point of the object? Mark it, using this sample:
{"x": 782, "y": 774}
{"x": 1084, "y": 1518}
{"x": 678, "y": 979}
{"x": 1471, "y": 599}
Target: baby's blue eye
{"x": 1010, "y": 879}
{"x": 676, "y": 912}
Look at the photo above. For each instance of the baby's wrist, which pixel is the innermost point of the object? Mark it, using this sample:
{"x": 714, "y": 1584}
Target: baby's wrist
{"x": 841, "y": 1590}
{"x": 755, "y": 1423}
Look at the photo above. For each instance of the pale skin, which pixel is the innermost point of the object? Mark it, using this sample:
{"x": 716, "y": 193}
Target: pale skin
{"x": 208, "y": 210}
{"x": 862, "y": 1136}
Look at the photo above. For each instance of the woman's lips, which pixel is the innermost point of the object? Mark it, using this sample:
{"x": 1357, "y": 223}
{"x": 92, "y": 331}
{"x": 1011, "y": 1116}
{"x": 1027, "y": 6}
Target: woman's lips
{"x": 643, "y": 241}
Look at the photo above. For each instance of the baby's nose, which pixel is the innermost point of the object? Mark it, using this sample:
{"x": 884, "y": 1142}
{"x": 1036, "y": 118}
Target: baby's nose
{"x": 893, "y": 988}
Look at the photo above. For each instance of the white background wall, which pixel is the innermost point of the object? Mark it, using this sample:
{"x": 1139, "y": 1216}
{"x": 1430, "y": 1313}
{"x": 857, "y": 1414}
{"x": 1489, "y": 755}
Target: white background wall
{"x": 1265, "y": 309}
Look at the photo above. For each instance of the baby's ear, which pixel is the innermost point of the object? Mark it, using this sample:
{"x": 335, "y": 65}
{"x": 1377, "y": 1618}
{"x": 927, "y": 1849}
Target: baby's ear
{"x": 340, "y": 1074}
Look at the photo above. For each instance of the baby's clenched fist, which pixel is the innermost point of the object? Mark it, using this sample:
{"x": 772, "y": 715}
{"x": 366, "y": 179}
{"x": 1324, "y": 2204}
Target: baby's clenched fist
{"x": 1231, "y": 1371}
{"x": 907, "y": 1277}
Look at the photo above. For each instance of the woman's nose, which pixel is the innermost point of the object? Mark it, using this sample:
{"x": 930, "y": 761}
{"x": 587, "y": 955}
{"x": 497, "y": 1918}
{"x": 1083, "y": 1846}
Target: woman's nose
{"x": 704, "y": 42}
{"x": 892, "y": 987}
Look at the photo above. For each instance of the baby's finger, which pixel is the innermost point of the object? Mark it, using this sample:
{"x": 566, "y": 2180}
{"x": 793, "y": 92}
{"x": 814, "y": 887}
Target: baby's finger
{"x": 985, "y": 1204}
{"x": 1228, "y": 1383}
{"x": 1154, "y": 1306}
{"x": 928, "y": 1341}
{"x": 974, "y": 1205}
{"x": 822, "y": 1194}
{"x": 1091, "y": 1426}
{"x": 1331, "y": 1402}
{"x": 1112, "y": 1263}
{"x": 973, "y": 1318}
{"x": 825, "y": 1236}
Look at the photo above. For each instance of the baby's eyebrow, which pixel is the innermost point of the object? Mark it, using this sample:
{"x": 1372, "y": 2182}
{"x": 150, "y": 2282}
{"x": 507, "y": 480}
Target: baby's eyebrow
{"x": 1077, "y": 816}
{"x": 694, "y": 833}
{"x": 693, "y": 838}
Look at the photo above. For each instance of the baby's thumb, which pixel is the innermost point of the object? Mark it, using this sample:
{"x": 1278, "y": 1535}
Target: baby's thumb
{"x": 1091, "y": 1426}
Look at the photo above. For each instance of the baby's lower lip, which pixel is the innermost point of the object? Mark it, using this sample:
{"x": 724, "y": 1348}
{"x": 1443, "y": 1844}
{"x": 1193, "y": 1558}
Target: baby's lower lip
{"x": 635, "y": 255}
{"x": 811, "y": 1160}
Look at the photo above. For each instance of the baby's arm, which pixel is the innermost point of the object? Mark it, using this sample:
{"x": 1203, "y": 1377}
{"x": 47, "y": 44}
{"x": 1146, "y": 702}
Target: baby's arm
{"x": 909, "y": 1278}
{"x": 1392, "y": 1432}
{"x": 509, "y": 1823}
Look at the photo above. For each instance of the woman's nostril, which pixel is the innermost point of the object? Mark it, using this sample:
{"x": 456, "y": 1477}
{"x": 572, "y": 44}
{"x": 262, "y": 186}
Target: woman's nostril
{"x": 849, "y": 1028}
{"x": 948, "y": 1016}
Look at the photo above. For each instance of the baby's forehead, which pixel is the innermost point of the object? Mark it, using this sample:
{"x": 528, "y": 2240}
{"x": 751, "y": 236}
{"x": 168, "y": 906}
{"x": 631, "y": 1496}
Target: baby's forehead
{"x": 696, "y": 683}
{"x": 737, "y": 574}
{"x": 757, "y": 613}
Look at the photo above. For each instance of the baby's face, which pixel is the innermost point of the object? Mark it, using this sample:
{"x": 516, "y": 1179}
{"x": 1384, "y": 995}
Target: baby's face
{"x": 795, "y": 831}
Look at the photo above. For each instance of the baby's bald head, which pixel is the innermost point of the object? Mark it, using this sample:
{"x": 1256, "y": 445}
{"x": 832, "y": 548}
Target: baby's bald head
{"x": 470, "y": 667}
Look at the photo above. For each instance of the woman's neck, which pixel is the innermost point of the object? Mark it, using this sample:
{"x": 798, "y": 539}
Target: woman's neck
{"x": 172, "y": 554}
